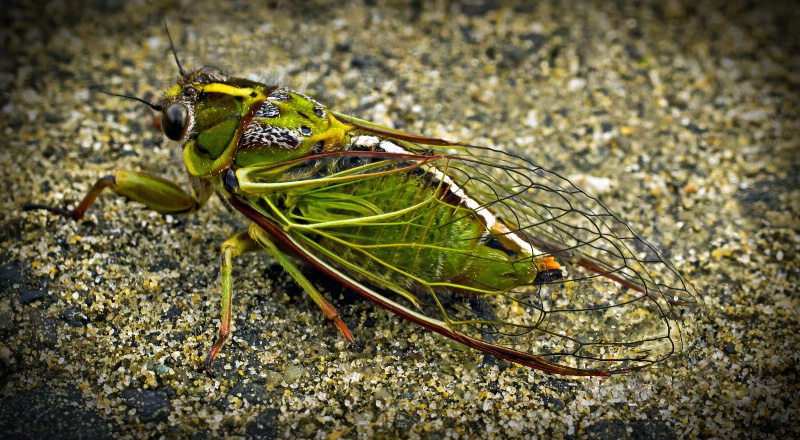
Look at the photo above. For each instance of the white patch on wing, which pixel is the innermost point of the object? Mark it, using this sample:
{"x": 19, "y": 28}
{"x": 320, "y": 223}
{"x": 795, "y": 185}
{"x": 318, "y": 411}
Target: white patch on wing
{"x": 373, "y": 141}
{"x": 488, "y": 217}
{"x": 365, "y": 141}
{"x": 392, "y": 148}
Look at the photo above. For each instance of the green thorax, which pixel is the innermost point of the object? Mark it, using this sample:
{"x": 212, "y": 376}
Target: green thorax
{"x": 233, "y": 122}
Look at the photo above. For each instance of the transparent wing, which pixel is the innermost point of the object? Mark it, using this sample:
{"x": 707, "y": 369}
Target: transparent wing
{"x": 390, "y": 226}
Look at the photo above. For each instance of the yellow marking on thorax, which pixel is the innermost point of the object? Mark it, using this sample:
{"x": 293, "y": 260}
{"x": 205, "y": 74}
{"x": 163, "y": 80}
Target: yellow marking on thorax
{"x": 243, "y": 92}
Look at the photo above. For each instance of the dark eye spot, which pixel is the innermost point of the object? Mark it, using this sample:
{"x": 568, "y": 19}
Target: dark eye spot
{"x": 305, "y": 131}
{"x": 253, "y": 95}
{"x": 175, "y": 120}
{"x": 319, "y": 111}
{"x": 189, "y": 91}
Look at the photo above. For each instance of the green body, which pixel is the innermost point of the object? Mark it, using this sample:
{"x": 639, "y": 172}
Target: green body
{"x": 252, "y": 127}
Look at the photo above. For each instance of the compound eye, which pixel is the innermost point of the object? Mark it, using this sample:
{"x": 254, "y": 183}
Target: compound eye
{"x": 175, "y": 120}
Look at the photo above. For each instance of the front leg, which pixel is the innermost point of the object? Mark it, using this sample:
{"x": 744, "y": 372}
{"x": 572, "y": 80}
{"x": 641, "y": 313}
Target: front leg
{"x": 156, "y": 193}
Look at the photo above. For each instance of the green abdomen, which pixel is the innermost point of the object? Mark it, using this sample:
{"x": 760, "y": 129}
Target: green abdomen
{"x": 413, "y": 227}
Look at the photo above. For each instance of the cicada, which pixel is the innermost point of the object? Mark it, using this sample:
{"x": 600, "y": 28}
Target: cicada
{"x": 480, "y": 245}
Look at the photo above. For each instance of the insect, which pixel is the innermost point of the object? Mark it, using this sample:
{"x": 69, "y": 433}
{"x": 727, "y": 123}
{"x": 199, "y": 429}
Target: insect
{"x": 479, "y": 245}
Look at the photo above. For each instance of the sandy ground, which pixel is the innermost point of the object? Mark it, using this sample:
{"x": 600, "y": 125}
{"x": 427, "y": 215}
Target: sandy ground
{"x": 690, "y": 112}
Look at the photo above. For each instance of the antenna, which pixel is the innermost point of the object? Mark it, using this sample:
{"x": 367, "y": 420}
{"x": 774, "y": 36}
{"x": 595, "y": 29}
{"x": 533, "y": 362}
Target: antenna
{"x": 174, "y": 53}
{"x": 153, "y": 106}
